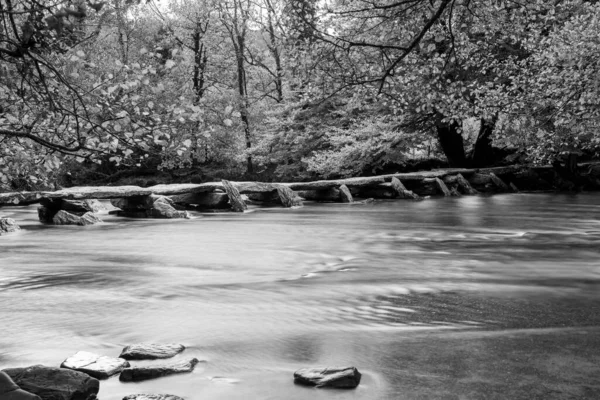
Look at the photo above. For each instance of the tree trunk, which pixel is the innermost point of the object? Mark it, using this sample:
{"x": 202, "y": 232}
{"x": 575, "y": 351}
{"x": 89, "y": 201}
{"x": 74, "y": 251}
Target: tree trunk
{"x": 200, "y": 60}
{"x": 451, "y": 141}
{"x": 483, "y": 154}
{"x": 276, "y": 57}
{"x": 242, "y": 90}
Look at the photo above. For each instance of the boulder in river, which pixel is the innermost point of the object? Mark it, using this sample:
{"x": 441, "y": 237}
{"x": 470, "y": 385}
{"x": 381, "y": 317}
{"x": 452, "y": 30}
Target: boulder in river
{"x": 97, "y": 366}
{"x": 63, "y": 217}
{"x": 202, "y": 200}
{"x": 336, "y": 377}
{"x": 136, "y": 374}
{"x": 8, "y": 225}
{"x": 75, "y": 206}
{"x": 94, "y": 205}
{"x": 151, "y": 351}
{"x": 152, "y": 397}
{"x": 151, "y": 206}
{"x": 55, "y": 383}
{"x": 68, "y": 212}
{"x": 10, "y": 391}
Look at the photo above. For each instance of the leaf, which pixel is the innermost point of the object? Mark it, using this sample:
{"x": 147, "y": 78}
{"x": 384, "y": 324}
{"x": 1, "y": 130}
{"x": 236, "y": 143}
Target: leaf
{"x": 187, "y": 142}
{"x": 80, "y": 54}
{"x": 228, "y": 122}
{"x": 170, "y": 64}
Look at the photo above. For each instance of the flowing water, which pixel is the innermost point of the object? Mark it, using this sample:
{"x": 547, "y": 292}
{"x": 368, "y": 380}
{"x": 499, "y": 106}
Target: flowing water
{"x": 458, "y": 298}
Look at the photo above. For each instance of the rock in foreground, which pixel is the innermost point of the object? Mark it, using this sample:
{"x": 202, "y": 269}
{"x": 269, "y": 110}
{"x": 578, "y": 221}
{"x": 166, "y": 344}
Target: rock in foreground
{"x": 97, "y": 366}
{"x": 10, "y": 391}
{"x": 136, "y": 374}
{"x": 152, "y": 397}
{"x": 8, "y": 225}
{"x": 343, "y": 378}
{"x": 55, "y": 383}
{"x": 151, "y": 351}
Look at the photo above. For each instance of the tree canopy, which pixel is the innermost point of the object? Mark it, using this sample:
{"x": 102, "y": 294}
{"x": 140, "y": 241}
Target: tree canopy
{"x": 292, "y": 88}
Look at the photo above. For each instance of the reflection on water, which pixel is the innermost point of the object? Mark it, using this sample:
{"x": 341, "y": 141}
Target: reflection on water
{"x": 473, "y": 297}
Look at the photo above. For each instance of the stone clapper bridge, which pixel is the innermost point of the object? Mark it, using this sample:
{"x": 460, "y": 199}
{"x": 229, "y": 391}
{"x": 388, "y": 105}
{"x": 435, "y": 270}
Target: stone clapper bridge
{"x": 73, "y": 205}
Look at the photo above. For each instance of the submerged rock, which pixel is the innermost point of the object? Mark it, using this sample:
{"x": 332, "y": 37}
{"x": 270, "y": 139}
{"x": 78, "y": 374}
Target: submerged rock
{"x": 151, "y": 351}
{"x": 10, "y": 391}
{"x": 136, "y": 374}
{"x": 8, "y": 225}
{"x": 63, "y": 217}
{"x": 97, "y": 366}
{"x": 152, "y": 397}
{"x": 343, "y": 378}
{"x": 55, "y": 383}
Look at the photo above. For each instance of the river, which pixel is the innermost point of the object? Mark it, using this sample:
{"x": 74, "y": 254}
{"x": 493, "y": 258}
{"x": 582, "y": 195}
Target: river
{"x": 457, "y": 298}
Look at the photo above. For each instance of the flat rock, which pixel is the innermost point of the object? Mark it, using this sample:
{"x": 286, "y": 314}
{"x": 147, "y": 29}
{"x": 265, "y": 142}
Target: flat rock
{"x": 55, "y": 383}
{"x": 136, "y": 374}
{"x": 10, "y": 391}
{"x": 152, "y": 397}
{"x": 151, "y": 351}
{"x": 8, "y": 225}
{"x": 336, "y": 377}
{"x": 97, "y": 366}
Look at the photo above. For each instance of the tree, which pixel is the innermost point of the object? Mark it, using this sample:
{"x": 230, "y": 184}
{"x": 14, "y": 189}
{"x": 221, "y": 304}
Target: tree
{"x": 441, "y": 63}
{"x": 235, "y": 16}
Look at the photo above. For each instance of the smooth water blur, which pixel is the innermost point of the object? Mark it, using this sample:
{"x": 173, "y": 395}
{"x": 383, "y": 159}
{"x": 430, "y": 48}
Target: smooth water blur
{"x": 471, "y": 297}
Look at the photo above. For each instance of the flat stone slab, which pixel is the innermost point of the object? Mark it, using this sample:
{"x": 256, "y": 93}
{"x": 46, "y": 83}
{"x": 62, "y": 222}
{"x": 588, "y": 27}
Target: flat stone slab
{"x": 336, "y": 377}
{"x": 152, "y": 397}
{"x": 55, "y": 383}
{"x": 10, "y": 391}
{"x": 151, "y": 351}
{"x": 136, "y": 374}
{"x": 97, "y": 366}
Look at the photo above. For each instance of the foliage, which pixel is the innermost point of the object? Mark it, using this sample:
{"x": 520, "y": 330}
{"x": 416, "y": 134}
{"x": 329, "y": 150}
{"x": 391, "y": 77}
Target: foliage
{"x": 294, "y": 88}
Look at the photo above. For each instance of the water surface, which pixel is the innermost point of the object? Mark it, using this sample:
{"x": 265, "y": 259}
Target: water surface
{"x": 459, "y": 298}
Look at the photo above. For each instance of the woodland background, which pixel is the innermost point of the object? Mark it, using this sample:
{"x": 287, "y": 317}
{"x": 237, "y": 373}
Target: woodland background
{"x": 191, "y": 90}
